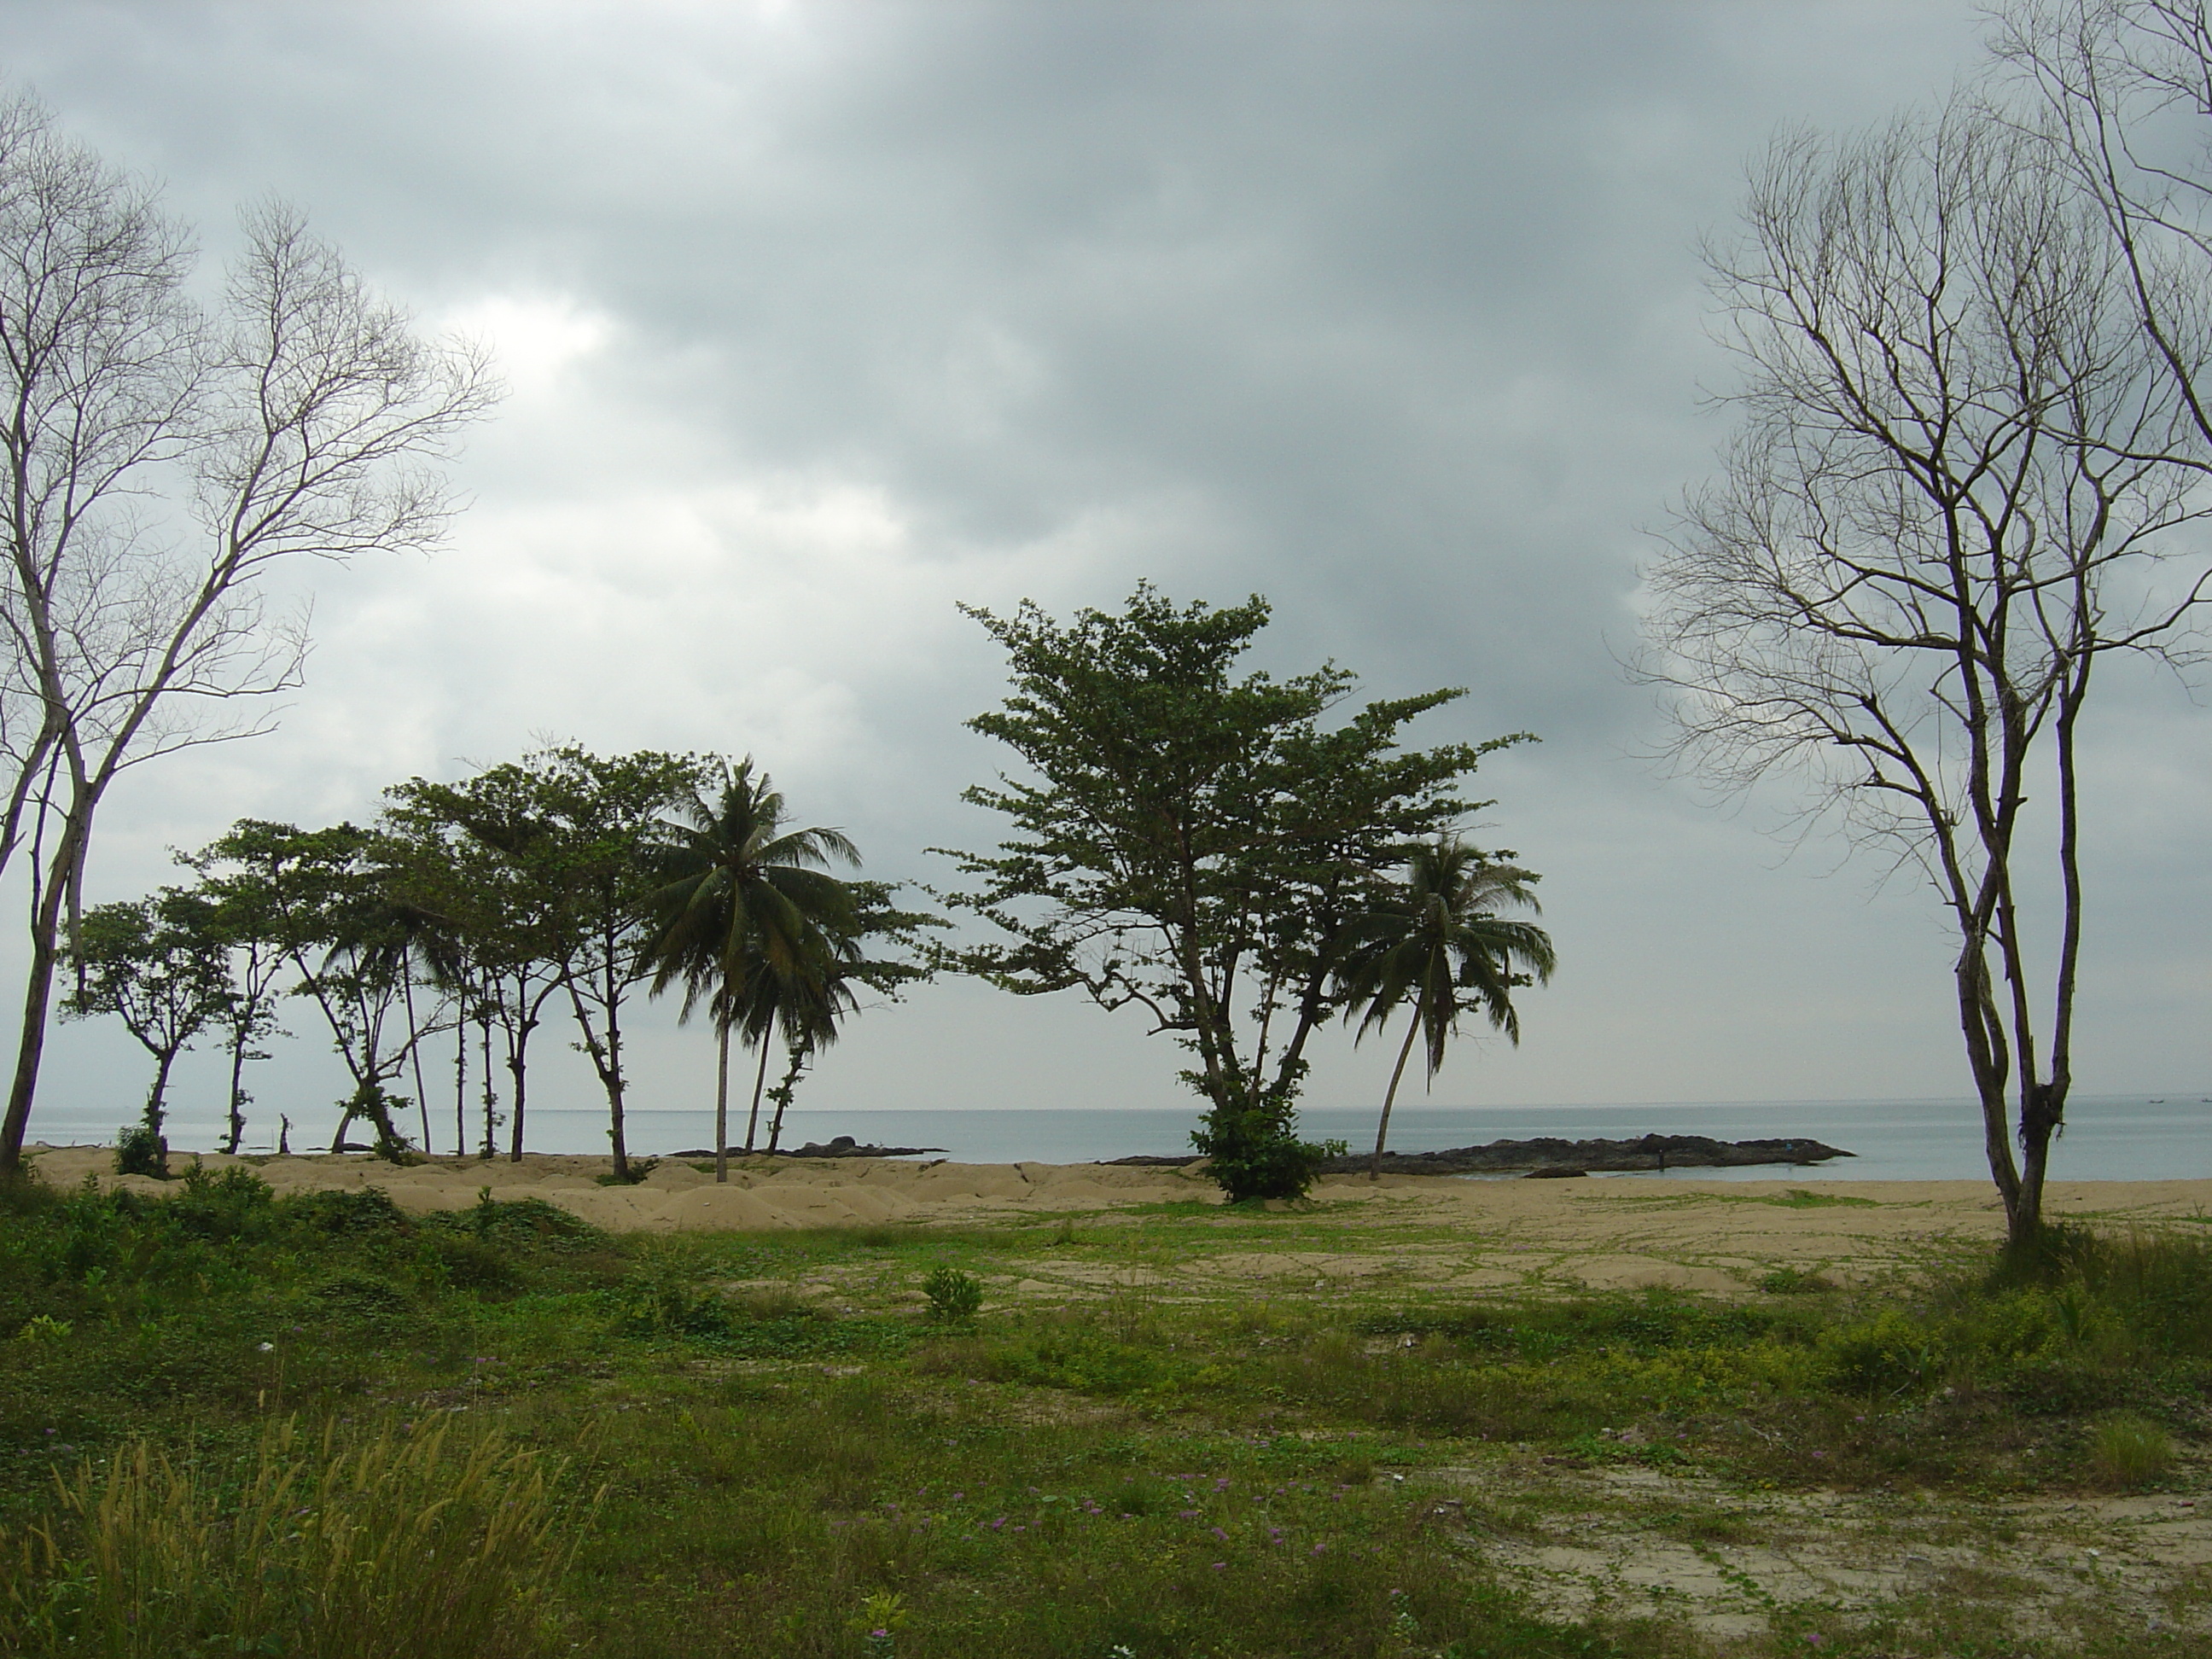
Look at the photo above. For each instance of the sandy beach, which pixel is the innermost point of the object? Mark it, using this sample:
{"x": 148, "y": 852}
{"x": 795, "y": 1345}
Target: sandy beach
{"x": 1625, "y": 1232}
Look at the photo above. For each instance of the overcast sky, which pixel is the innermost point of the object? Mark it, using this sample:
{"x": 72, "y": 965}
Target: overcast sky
{"x": 820, "y": 318}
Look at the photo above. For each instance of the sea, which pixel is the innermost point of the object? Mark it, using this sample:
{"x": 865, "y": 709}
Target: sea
{"x": 2107, "y": 1137}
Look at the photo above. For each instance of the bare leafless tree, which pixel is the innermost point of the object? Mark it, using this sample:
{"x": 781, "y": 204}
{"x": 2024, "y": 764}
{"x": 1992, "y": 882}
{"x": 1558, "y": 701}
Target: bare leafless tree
{"x": 1965, "y": 475}
{"x": 159, "y": 457}
{"x": 2122, "y": 92}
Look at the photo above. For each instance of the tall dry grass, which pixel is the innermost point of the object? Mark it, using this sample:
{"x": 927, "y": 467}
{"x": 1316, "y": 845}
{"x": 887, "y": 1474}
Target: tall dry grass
{"x": 403, "y": 1545}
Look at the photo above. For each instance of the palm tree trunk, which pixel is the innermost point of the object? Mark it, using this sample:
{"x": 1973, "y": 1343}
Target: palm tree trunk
{"x": 759, "y": 1082}
{"x": 722, "y": 1100}
{"x": 1391, "y": 1098}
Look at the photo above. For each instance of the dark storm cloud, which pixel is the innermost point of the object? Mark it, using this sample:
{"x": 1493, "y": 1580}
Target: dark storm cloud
{"x": 822, "y": 317}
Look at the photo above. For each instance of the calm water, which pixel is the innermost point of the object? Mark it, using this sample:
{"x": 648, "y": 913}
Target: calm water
{"x": 2110, "y": 1138}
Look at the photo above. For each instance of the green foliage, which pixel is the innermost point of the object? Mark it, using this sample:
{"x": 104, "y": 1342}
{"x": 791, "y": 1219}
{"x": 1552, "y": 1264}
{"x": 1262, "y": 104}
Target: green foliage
{"x": 159, "y": 967}
{"x": 142, "y": 1150}
{"x": 659, "y": 1298}
{"x": 1435, "y": 941}
{"x": 1254, "y": 1156}
{"x": 779, "y": 1438}
{"x": 747, "y": 921}
{"x": 538, "y": 870}
{"x": 1892, "y": 1354}
{"x": 1793, "y": 1281}
{"x": 953, "y": 1296}
{"x": 399, "y": 1546}
{"x": 1196, "y": 844}
{"x": 327, "y": 902}
{"x": 2130, "y": 1450}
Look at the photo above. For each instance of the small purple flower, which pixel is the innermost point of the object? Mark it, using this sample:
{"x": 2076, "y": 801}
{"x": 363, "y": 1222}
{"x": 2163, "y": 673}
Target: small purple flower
{"x": 1220, "y": 1565}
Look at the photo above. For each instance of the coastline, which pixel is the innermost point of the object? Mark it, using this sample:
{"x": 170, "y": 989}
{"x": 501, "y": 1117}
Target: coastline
{"x": 1621, "y": 1232}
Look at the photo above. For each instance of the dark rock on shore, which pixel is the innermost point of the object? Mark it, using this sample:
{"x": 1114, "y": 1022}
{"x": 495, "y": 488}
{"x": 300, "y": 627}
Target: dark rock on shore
{"x": 1548, "y": 1155}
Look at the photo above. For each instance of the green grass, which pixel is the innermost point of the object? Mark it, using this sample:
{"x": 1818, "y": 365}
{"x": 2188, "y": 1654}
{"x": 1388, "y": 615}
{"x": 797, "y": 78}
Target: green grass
{"x": 750, "y": 1443}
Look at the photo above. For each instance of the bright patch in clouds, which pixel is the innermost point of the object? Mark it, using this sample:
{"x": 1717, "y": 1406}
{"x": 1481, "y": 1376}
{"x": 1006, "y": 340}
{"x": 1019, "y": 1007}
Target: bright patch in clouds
{"x": 535, "y": 338}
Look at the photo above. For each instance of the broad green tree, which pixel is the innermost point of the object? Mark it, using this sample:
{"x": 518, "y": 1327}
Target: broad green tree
{"x": 566, "y": 844}
{"x": 238, "y": 920}
{"x": 491, "y": 903}
{"x": 328, "y": 902}
{"x": 1434, "y": 944}
{"x": 751, "y": 925}
{"x": 1195, "y": 842}
{"x": 158, "y": 966}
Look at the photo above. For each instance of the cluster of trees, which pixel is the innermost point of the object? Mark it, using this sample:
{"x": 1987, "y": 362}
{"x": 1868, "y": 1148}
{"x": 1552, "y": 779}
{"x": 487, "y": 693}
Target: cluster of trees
{"x": 470, "y": 913}
{"x": 1210, "y": 849}
{"x": 1221, "y": 852}
{"x": 1971, "y": 471}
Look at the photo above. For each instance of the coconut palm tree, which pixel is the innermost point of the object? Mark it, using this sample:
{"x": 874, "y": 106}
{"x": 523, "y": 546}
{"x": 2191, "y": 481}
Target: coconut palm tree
{"x": 750, "y": 922}
{"x": 1437, "y": 941}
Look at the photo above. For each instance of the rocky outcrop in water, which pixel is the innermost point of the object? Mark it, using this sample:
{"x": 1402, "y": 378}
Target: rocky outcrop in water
{"x": 1548, "y": 1153}
{"x": 838, "y": 1146}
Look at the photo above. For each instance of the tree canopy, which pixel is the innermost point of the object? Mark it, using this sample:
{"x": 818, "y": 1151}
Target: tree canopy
{"x": 1195, "y": 842}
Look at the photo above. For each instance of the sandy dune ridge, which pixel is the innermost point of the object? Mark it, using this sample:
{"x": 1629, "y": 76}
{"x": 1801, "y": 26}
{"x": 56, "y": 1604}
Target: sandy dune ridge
{"x": 1624, "y": 1232}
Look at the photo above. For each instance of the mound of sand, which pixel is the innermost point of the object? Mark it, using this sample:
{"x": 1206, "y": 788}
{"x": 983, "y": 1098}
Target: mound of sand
{"x": 1624, "y": 1232}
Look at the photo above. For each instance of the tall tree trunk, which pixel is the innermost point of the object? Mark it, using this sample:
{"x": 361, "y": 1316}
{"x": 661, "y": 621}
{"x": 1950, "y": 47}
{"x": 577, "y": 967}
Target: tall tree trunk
{"x": 237, "y": 1091}
{"x": 518, "y": 1053}
{"x": 617, "y": 1132}
{"x": 517, "y": 1058}
{"x": 722, "y": 1100}
{"x": 155, "y": 1097}
{"x": 606, "y": 1060}
{"x": 461, "y": 1085}
{"x": 759, "y": 1082}
{"x": 415, "y": 1056}
{"x": 38, "y": 996}
{"x": 490, "y": 1095}
{"x": 1390, "y": 1095}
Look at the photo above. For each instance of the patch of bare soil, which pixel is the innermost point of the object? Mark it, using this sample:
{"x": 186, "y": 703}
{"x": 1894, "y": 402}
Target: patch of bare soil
{"x": 1635, "y": 1542}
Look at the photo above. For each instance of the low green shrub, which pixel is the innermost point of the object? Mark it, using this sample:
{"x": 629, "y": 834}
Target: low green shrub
{"x": 1255, "y": 1155}
{"x": 2128, "y": 1451}
{"x": 1893, "y": 1354}
{"x": 1794, "y": 1281}
{"x": 659, "y": 1298}
{"x": 140, "y": 1149}
{"x": 953, "y": 1296}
